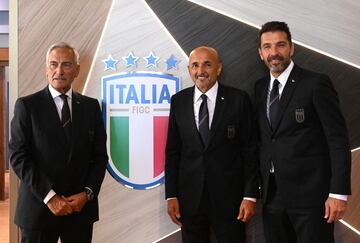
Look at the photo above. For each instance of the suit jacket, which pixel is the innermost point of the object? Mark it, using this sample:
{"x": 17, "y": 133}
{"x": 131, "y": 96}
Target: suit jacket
{"x": 42, "y": 159}
{"x": 227, "y": 165}
{"x": 308, "y": 143}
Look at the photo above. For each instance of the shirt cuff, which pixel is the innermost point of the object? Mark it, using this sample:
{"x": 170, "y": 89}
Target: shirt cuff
{"x": 250, "y": 199}
{"x": 49, "y": 196}
{"x": 169, "y": 198}
{"x": 338, "y": 196}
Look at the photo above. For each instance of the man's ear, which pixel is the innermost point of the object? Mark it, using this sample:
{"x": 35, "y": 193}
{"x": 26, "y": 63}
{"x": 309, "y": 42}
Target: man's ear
{"x": 77, "y": 70}
{"x": 219, "y": 69}
{"x": 261, "y": 57}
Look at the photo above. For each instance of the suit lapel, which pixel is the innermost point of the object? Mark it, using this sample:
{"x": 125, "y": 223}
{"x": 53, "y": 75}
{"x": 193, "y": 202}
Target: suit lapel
{"x": 218, "y": 113}
{"x": 287, "y": 94}
{"x": 263, "y": 90}
{"x": 53, "y": 117}
{"x": 190, "y": 114}
{"x": 52, "y": 114}
{"x": 76, "y": 117}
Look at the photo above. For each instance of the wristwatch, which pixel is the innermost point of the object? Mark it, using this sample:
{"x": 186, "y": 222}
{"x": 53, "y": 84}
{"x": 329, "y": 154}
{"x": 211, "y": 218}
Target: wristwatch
{"x": 89, "y": 193}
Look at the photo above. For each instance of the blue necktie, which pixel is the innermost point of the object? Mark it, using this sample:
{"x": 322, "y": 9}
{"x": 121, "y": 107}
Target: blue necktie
{"x": 204, "y": 120}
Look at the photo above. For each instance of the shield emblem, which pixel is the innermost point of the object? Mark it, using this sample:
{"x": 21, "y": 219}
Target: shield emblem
{"x": 231, "y": 132}
{"x": 135, "y": 109}
{"x": 300, "y": 115}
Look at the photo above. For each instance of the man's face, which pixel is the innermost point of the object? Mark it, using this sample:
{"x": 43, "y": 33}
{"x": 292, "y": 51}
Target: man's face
{"x": 61, "y": 69}
{"x": 276, "y": 51}
{"x": 204, "y": 67}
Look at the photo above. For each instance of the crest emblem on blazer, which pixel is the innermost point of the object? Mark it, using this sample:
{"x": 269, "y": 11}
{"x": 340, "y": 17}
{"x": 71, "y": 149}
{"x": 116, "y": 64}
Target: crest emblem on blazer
{"x": 136, "y": 108}
{"x": 231, "y": 132}
{"x": 300, "y": 115}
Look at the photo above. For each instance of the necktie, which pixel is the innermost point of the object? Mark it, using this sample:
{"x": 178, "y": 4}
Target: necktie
{"x": 66, "y": 118}
{"x": 204, "y": 120}
{"x": 274, "y": 102}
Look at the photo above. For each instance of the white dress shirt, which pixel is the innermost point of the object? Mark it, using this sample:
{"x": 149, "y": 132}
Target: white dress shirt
{"x": 59, "y": 104}
{"x": 211, "y": 101}
{"x": 283, "y": 77}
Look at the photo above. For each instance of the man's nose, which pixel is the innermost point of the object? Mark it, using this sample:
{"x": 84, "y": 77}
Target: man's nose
{"x": 59, "y": 69}
{"x": 201, "y": 68}
{"x": 273, "y": 50}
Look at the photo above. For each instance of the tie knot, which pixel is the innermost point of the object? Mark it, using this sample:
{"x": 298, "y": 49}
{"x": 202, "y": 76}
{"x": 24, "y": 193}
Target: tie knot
{"x": 276, "y": 83}
{"x": 63, "y": 97}
{"x": 203, "y": 97}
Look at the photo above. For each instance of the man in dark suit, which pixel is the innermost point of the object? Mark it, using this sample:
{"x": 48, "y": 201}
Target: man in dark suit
{"x": 305, "y": 158}
{"x": 211, "y": 161}
{"x": 58, "y": 151}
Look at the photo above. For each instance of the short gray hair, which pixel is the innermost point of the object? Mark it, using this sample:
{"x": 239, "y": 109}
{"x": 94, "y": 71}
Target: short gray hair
{"x": 62, "y": 45}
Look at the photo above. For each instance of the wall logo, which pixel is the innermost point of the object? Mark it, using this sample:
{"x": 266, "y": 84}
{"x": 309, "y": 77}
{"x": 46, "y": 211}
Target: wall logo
{"x": 136, "y": 108}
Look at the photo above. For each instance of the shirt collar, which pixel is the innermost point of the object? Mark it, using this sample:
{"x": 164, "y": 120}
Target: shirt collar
{"x": 283, "y": 77}
{"x": 54, "y": 93}
{"x": 211, "y": 93}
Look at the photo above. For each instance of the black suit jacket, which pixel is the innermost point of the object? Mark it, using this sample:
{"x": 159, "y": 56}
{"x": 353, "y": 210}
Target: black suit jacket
{"x": 308, "y": 144}
{"x": 43, "y": 161}
{"x": 227, "y": 165}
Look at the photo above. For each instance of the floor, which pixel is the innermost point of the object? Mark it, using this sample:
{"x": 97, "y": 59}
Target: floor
{"x": 4, "y": 213}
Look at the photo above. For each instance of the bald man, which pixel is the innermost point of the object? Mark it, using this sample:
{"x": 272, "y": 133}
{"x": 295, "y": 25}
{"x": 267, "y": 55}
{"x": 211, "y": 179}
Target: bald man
{"x": 211, "y": 163}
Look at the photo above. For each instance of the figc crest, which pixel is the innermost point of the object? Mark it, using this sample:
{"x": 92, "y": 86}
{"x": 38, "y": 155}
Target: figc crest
{"x": 136, "y": 108}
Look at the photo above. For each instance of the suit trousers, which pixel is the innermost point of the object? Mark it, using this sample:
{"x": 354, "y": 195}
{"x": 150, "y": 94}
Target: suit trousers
{"x": 293, "y": 225}
{"x": 68, "y": 233}
{"x": 201, "y": 227}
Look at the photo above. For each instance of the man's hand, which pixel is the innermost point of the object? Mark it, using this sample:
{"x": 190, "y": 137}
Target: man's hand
{"x": 334, "y": 209}
{"x": 174, "y": 210}
{"x": 247, "y": 210}
{"x": 58, "y": 206}
{"x": 77, "y": 201}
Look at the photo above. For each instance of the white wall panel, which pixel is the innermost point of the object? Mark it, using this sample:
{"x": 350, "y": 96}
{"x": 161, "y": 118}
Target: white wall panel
{"x": 328, "y": 25}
